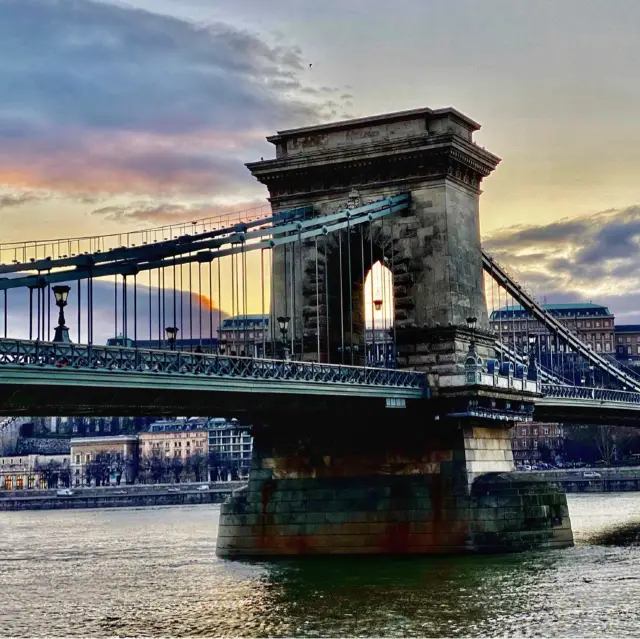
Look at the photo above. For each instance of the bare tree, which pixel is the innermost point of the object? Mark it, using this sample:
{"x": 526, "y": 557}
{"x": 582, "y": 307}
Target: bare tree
{"x": 610, "y": 442}
{"x": 176, "y": 468}
{"x": 196, "y": 464}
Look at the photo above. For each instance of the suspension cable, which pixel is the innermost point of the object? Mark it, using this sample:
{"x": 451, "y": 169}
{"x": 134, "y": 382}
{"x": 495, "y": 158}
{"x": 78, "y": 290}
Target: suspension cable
{"x": 30, "y": 313}
{"x": 150, "y": 312}
{"x": 326, "y": 292}
{"x": 124, "y": 309}
{"x": 200, "y": 303}
{"x": 190, "y": 306}
{"x": 317, "y": 302}
{"x": 218, "y": 267}
{"x": 350, "y": 291}
{"x": 135, "y": 309}
{"x": 262, "y": 300}
{"x": 341, "y": 299}
{"x": 115, "y": 305}
{"x": 211, "y": 306}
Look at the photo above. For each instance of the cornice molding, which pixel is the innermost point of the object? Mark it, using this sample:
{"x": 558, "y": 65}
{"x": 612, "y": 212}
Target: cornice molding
{"x": 417, "y": 159}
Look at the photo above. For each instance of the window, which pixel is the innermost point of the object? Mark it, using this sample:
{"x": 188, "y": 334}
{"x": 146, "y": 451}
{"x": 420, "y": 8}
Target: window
{"x": 535, "y": 431}
{"x": 619, "y": 340}
{"x": 77, "y": 459}
{"x": 628, "y": 340}
{"x": 588, "y": 324}
{"x": 20, "y": 482}
{"x": 598, "y": 347}
{"x": 88, "y": 459}
{"x": 607, "y": 347}
{"x": 597, "y": 324}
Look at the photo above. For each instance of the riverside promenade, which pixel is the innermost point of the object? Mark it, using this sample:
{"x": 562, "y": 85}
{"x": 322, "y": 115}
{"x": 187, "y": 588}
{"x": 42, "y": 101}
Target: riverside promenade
{"x": 590, "y": 480}
{"x": 119, "y": 496}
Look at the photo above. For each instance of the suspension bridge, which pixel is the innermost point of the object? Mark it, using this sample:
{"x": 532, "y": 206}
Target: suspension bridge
{"x": 39, "y": 362}
{"x": 399, "y": 190}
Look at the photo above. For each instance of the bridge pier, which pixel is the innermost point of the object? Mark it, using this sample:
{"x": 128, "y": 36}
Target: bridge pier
{"x": 389, "y": 486}
{"x": 434, "y": 478}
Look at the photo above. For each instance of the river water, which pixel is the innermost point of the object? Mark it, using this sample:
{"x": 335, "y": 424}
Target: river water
{"x": 152, "y": 572}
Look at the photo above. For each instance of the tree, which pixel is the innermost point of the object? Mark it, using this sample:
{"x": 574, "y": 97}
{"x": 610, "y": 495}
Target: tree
{"x": 196, "y": 465}
{"x": 545, "y": 453}
{"x": 50, "y": 472}
{"x": 215, "y": 464}
{"x": 153, "y": 467}
{"x": 608, "y": 443}
{"x": 106, "y": 465}
{"x": 176, "y": 468}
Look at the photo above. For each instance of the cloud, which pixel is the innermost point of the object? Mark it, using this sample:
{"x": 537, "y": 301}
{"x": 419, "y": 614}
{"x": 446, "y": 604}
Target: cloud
{"x": 175, "y": 213}
{"x": 106, "y": 98}
{"x": 589, "y": 258}
{"x": 18, "y": 198}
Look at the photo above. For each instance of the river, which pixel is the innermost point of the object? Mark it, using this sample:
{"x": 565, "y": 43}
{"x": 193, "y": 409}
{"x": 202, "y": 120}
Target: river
{"x": 152, "y": 572}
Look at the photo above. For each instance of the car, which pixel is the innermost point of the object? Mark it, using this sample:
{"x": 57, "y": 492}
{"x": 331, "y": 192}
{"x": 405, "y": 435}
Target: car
{"x": 591, "y": 474}
{"x": 64, "y": 492}
{"x": 203, "y": 487}
{"x": 173, "y": 490}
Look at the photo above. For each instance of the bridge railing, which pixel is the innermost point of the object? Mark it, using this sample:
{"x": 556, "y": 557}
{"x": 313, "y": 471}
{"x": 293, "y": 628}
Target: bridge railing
{"x": 149, "y": 361}
{"x": 558, "y": 391}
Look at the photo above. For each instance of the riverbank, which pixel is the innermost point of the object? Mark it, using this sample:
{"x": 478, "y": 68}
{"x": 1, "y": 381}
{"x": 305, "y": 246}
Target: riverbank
{"x": 590, "y": 480}
{"x": 118, "y": 496}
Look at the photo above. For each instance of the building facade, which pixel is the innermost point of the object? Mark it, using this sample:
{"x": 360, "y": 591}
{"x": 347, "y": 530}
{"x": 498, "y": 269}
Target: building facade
{"x": 535, "y": 442}
{"x": 381, "y": 349}
{"x": 121, "y": 449}
{"x": 594, "y": 323}
{"x": 246, "y": 335}
{"x": 24, "y": 472}
{"x": 175, "y": 439}
{"x": 627, "y": 340}
{"x": 231, "y": 446}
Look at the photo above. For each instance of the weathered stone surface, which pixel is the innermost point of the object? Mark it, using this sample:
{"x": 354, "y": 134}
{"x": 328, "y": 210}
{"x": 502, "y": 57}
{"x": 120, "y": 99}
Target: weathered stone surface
{"x": 415, "y": 491}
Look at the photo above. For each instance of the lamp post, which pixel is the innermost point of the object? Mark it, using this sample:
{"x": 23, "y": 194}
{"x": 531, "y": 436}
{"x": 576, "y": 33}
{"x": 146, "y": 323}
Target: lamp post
{"x": 283, "y": 323}
{"x": 61, "y": 293}
{"x": 172, "y": 334}
{"x": 532, "y": 372}
{"x": 471, "y": 325}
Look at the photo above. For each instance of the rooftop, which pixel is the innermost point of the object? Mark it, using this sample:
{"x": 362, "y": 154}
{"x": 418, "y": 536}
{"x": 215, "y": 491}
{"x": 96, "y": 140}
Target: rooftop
{"x": 588, "y": 308}
{"x": 381, "y": 118}
{"x": 627, "y": 328}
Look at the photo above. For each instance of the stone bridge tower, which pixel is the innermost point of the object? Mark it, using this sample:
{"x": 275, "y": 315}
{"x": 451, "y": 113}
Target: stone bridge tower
{"x": 433, "y": 477}
{"x": 435, "y": 248}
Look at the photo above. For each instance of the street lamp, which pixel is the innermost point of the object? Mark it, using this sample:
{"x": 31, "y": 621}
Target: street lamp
{"x": 172, "y": 334}
{"x": 377, "y": 304}
{"x": 532, "y": 372}
{"x": 471, "y": 325}
{"x": 61, "y": 293}
{"x": 283, "y": 323}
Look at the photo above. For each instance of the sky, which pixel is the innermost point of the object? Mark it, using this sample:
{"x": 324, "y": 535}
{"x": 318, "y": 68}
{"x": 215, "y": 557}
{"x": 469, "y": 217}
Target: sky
{"x": 119, "y": 116}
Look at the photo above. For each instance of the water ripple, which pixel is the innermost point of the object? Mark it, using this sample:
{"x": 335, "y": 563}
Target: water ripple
{"x": 153, "y": 572}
